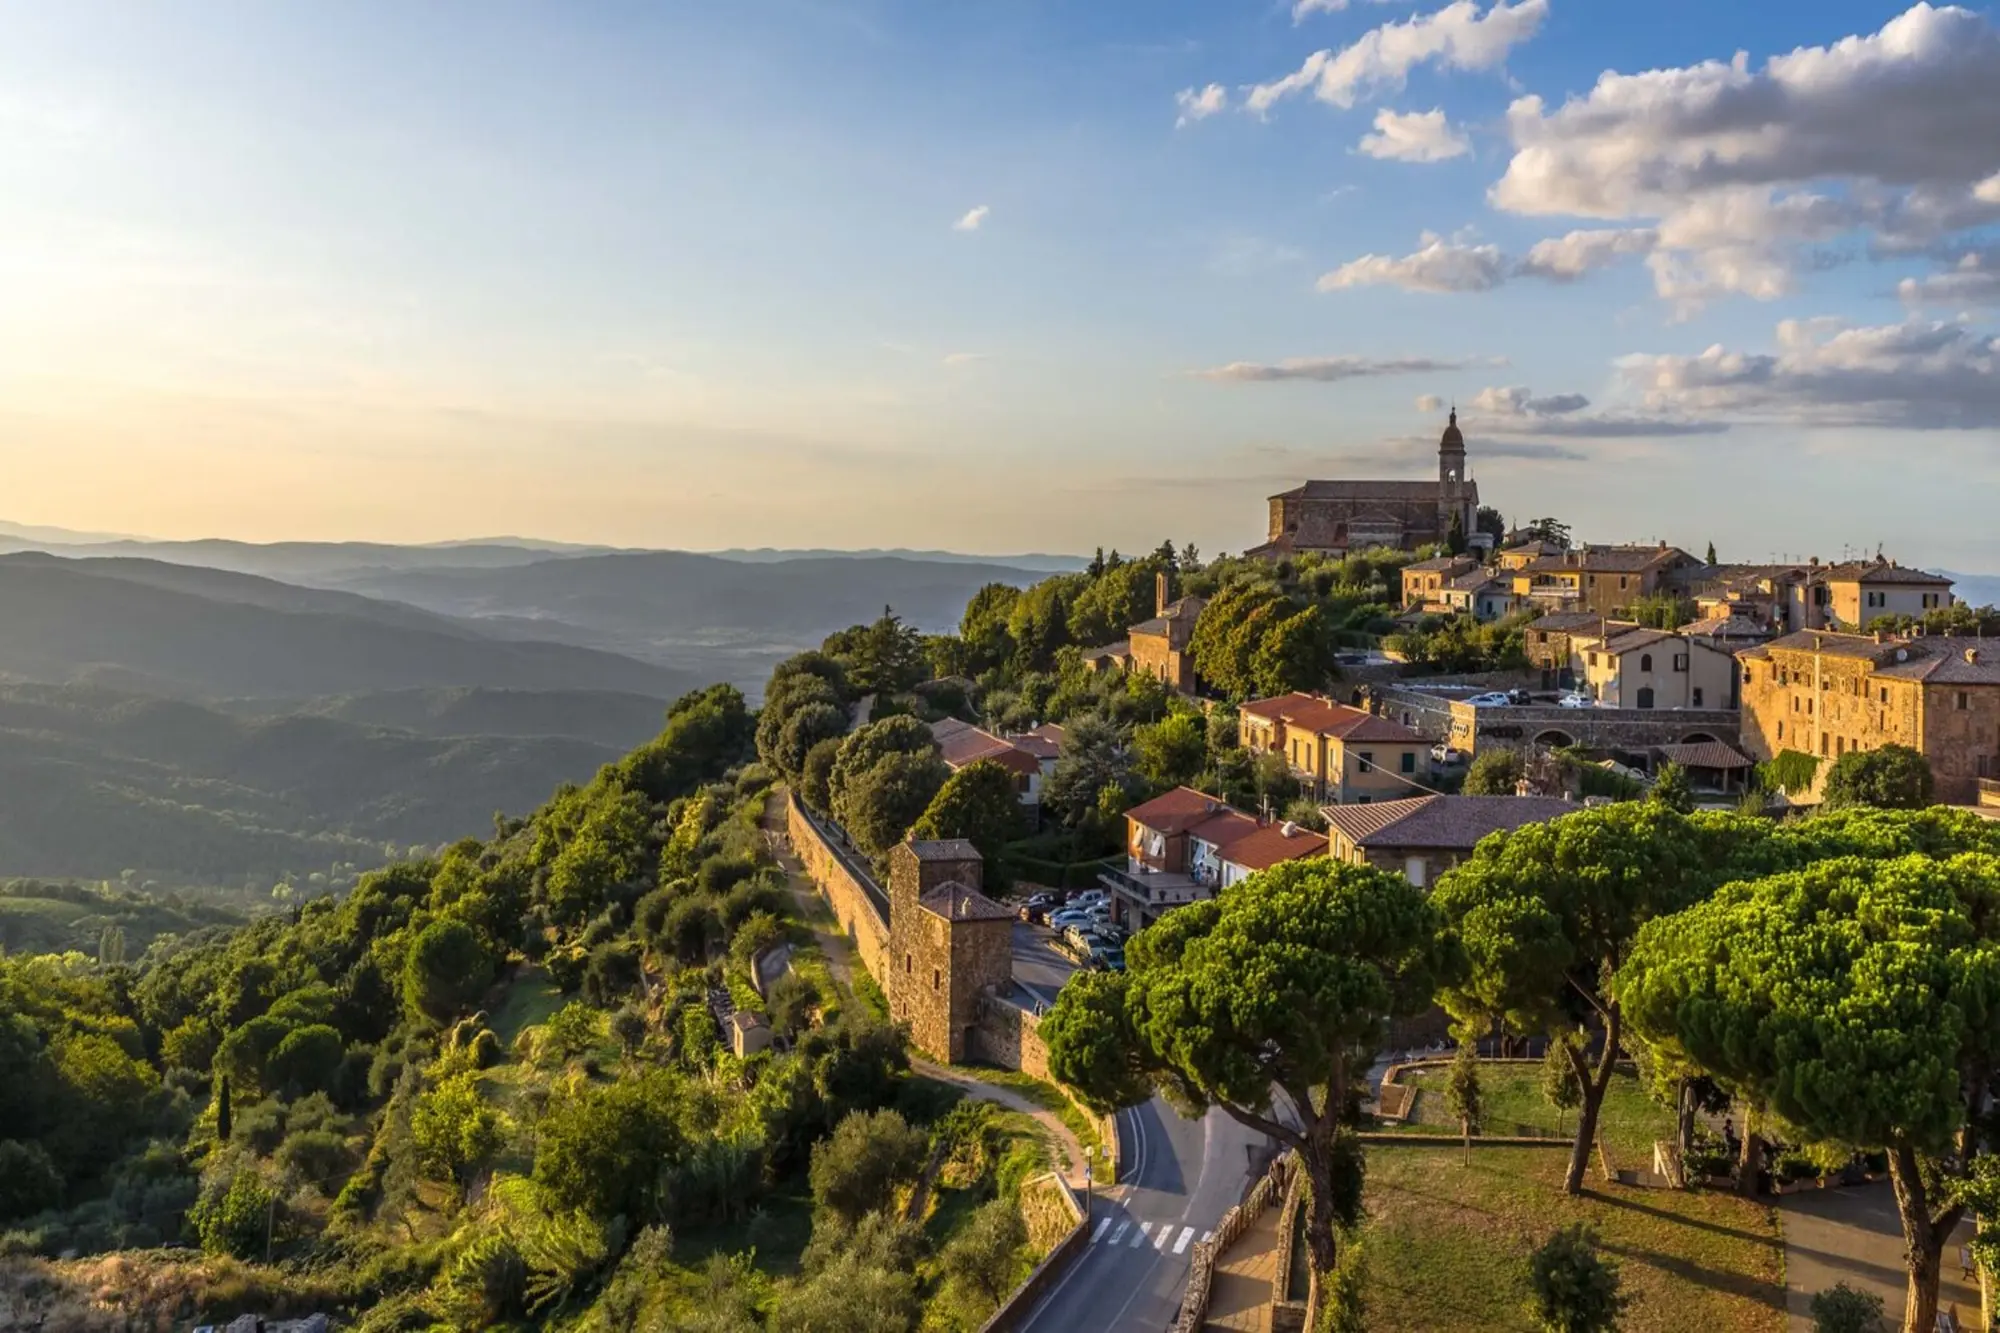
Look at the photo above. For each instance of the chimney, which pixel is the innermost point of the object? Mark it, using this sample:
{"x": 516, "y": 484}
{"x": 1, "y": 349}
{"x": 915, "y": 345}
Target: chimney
{"x": 1160, "y": 589}
{"x": 1814, "y": 562}
{"x": 1972, "y": 656}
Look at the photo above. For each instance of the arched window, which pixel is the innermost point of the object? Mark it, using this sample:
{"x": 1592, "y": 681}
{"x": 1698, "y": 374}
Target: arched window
{"x": 1645, "y": 661}
{"x": 1645, "y": 696}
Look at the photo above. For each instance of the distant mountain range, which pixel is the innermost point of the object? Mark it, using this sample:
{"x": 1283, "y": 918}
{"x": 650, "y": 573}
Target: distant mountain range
{"x": 1974, "y": 589}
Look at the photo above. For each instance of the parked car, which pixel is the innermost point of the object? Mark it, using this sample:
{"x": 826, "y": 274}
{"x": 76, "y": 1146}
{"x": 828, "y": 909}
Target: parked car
{"x": 1111, "y": 959}
{"x": 1083, "y": 940}
{"x": 1576, "y": 699}
{"x": 1040, "y": 905}
{"x": 1445, "y": 755}
{"x": 1069, "y": 916}
{"x": 1520, "y": 697}
{"x": 1112, "y": 931}
{"x": 1098, "y": 911}
{"x": 1494, "y": 699}
{"x": 1088, "y": 897}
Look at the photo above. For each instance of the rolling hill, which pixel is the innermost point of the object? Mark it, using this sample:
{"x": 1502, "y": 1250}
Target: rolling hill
{"x": 201, "y": 633}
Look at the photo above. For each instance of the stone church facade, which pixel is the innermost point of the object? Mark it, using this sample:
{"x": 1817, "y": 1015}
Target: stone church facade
{"x": 1335, "y": 517}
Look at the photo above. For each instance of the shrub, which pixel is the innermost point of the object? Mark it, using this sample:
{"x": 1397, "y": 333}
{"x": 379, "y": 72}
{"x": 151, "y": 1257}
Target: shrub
{"x": 29, "y": 1181}
{"x": 237, "y": 1219}
{"x": 858, "y": 1169}
{"x": 1842, "y": 1309}
{"x": 1575, "y": 1288}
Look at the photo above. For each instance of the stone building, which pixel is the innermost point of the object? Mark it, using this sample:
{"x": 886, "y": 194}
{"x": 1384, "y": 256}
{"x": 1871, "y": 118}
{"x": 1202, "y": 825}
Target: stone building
{"x": 1335, "y": 517}
{"x": 948, "y": 944}
{"x": 1424, "y": 582}
{"x": 1341, "y": 754}
{"x": 1824, "y": 694}
{"x": 1422, "y": 837}
{"x": 1866, "y": 591}
{"x": 1157, "y": 647}
{"x": 1606, "y": 580}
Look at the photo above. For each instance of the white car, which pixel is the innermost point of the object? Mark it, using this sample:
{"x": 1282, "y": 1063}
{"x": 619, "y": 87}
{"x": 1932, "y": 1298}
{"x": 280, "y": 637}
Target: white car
{"x": 1496, "y": 699}
{"x": 1069, "y": 916}
{"x": 1576, "y": 700}
{"x": 1090, "y": 898}
{"x": 1445, "y": 755}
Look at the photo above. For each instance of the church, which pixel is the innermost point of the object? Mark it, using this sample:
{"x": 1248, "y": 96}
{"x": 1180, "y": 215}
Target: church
{"x": 1335, "y": 517}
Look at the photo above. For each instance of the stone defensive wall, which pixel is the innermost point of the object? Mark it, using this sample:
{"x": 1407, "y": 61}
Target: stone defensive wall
{"x": 1440, "y": 715}
{"x": 860, "y": 907}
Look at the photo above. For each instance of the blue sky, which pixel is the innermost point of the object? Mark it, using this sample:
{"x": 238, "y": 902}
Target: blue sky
{"x": 700, "y": 274}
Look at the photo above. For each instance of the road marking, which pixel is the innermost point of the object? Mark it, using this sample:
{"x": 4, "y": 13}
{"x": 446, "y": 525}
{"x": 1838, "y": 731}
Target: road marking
{"x": 1102, "y": 1227}
{"x": 1119, "y": 1235}
{"x": 1187, "y": 1234}
{"x": 1165, "y": 1234}
{"x": 1207, "y": 1236}
{"x": 1140, "y": 1239}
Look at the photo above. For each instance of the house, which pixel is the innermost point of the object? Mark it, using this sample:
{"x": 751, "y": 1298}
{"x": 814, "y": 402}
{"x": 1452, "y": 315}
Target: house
{"x": 1711, "y": 766}
{"x": 1730, "y": 632}
{"x": 1342, "y": 754}
{"x": 1478, "y": 594}
{"x": 1424, "y": 581}
{"x": 1547, "y": 642}
{"x": 1514, "y": 555}
{"x": 1184, "y": 845}
{"x": 1335, "y": 517}
{"x": 1823, "y": 694}
{"x": 748, "y": 1034}
{"x": 1044, "y": 743}
{"x": 1606, "y": 579}
{"x": 1866, "y": 591}
{"x": 1158, "y": 647}
{"x": 1631, "y": 667}
{"x": 1422, "y": 837}
{"x": 960, "y": 745}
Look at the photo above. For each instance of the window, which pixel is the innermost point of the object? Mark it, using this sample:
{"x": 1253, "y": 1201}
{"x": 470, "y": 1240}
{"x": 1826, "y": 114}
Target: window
{"x": 1680, "y": 661}
{"x": 1964, "y": 701}
{"x": 1645, "y": 696}
{"x": 1645, "y": 661}
{"x": 1781, "y": 731}
{"x": 1623, "y": 582}
{"x": 909, "y": 963}
{"x": 1822, "y": 744}
{"x": 1416, "y": 870}
{"x": 937, "y": 979}
{"x": 1367, "y": 758}
{"x": 1697, "y": 696}
{"x": 1885, "y": 694}
{"x": 1409, "y": 761}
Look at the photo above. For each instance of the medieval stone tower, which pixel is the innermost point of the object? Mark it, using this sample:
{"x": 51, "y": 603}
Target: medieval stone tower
{"x": 947, "y": 943}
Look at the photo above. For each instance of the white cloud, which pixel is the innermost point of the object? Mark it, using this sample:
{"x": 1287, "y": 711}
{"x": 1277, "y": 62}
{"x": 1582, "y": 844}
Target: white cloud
{"x": 1440, "y": 266}
{"x": 1304, "y": 9}
{"x": 1972, "y": 282}
{"x": 1515, "y": 411}
{"x": 1455, "y": 37}
{"x": 1891, "y": 135}
{"x": 1428, "y": 403}
{"x": 1327, "y": 369}
{"x": 1416, "y": 136}
{"x": 1200, "y": 104}
{"x": 1911, "y": 376}
{"x": 957, "y": 359}
{"x": 1567, "y": 258}
{"x": 973, "y": 217}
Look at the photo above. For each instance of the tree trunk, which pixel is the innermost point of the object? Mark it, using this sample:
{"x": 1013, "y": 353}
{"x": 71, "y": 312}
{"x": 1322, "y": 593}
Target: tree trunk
{"x": 1322, "y": 1247}
{"x": 1594, "y": 1083}
{"x": 1749, "y": 1156}
{"x": 1923, "y": 1241}
{"x": 1684, "y": 1120}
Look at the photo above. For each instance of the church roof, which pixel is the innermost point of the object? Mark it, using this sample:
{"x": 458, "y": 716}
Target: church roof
{"x": 1452, "y": 438}
{"x": 1364, "y": 490}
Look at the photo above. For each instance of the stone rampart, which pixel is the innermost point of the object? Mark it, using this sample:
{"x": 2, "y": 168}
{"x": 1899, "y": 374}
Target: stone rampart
{"x": 1440, "y": 717}
{"x": 857, "y": 903}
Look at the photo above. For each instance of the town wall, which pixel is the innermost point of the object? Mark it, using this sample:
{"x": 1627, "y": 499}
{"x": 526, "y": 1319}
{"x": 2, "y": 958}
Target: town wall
{"x": 857, "y": 906}
{"x": 1468, "y": 729}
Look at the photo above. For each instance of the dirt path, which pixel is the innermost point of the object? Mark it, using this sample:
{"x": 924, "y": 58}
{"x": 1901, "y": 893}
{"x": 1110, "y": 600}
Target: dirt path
{"x": 1073, "y": 1165}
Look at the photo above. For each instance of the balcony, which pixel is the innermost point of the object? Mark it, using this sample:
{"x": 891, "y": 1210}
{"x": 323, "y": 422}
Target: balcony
{"x": 1154, "y": 888}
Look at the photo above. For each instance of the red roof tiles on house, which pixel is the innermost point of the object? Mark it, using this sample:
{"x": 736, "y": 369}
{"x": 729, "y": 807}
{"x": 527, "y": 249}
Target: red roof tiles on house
{"x": 1456, "y": 822}
{"x": 1176, "y": 812}
{"x": 1269, "y": 845}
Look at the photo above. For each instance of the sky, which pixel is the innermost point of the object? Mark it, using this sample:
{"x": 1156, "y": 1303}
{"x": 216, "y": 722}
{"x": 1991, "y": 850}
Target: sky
{"x": 999, "y": 275}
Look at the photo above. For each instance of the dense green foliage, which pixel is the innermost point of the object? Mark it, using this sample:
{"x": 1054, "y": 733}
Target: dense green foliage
{"x": 1575, "y": 1287}
{"x": 1893, "y": 777}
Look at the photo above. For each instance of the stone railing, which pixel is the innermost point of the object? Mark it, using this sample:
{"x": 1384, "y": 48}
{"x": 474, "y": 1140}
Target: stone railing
{"x": 1026, "y": 1296}
{"x": 858, "y": 903}
{"x": 1273, "y": 1184}
{"x": 1288, "y": 1315}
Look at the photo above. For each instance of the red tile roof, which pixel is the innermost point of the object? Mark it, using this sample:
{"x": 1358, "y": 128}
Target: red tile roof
{"x": 1224, "y": 828}
{"x": 960, "y": 745}
{"x": 1268, "y": 845}
{"x": 1176, "y": 812}
{"x": 1323, "y": 717}
{"x": 1456, "y": 822}
{"x": 1044, "y": 742}
{"x": 956, "y": 902}
{"x": 1705, "y": 754}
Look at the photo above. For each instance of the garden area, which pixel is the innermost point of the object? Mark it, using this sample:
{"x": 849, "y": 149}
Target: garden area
{"x": 1513, "y": 1105}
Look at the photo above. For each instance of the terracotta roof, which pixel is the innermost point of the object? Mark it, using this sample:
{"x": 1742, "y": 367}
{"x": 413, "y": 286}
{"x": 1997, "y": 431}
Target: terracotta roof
{"x": 965, "y": 745}
{"x": 1726, "y": 627}
{"x": 1273, "y": 709}
{"x": 1566, "y": 622}
{"x": 1948, "y": 660}
{"x": 943, "y": 849}
{"x": 1550, "y": 564}
{"x": 1224, "y": 827}
{"x": 1704, "y": 754}
{"x": 1176, "y": 812}
{"x": 950, "y": 726}
{"x": 1122, "y": 648}
{"x": 1632, "y": 640}
{"x": 1439, "y": 563}
{"x": 1538, "y": 546}
{"x": 1044, "y": 742}
{"x": 1267, "y": 846}
{"x": 1830, "y": 643}
{"x": 956, "y": 902}
{"x": 1323, "y": 717}
{"x": 1884, "y": 571}
{"x": 1456, "y": 822}
{"x": 1472, "y": 581}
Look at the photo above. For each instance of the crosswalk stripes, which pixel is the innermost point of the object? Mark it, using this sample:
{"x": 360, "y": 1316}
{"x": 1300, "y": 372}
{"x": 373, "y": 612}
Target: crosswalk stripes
{"x": 1145, "y": 1228}
{"x": 1098, "y": 1234}
{"x": 1207, "y": 1236}
{"x": 1123, "y": 1227}
{"x": 1187, "y": 1234}
{"x": 1161, "y": 1235}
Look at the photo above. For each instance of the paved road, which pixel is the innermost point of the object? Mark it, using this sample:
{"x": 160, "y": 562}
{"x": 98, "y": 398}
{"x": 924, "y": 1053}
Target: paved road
{"x": 1038, "y": 968}
{"x": 1181, "y": 1176}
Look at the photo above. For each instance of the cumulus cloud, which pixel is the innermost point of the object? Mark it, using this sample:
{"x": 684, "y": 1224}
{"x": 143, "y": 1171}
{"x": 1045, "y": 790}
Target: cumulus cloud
{"x": 973, "y": 217}
{"x": 1913, "y": 376}
{"x": 1305, "y": 9}
{"x": 1416, "y": 136}
{"x": 1458, "y": 36}
{"x": 1972, "y": 282}
{"x": 1325, "y": 369}
{"x": 1429, "y": 402}
{"x": 1744, "y": 169}
{"x": 1567, "y": 258}
{"x": 1200, "y": 103}
{"x": 1439, "y": 266}
{"x": 1515, "y": 410}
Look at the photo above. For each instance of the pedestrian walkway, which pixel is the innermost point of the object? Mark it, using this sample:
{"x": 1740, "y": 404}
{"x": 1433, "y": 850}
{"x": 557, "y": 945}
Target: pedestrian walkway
{"x": 1241, "y": 1296}
{"x": 812, "y": 907}
{"x": 1075, "y": 1164}
{"x": 1853, "y": 1235}
{"x": 1116, "y": 1231}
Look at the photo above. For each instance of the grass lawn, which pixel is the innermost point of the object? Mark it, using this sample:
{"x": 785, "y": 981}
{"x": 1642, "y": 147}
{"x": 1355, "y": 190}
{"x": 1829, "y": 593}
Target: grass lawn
{"x": 1629, "y": 1123}
{"x": 1050, "y": 1098}
{"x": 1449, "y": 1234}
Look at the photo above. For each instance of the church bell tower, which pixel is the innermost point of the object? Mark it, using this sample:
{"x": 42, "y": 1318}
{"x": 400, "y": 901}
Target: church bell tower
{"x": 1451, "y": 458}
